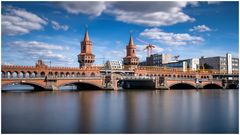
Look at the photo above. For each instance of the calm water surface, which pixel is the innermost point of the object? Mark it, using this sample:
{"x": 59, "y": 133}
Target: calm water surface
{"x": 168, "y": 111}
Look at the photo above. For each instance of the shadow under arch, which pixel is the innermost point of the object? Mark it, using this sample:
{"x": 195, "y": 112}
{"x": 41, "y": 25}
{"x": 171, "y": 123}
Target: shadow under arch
{"x": 81, "y": 86}
{"x": 232, "y": 86}
{"x": 212, "y": 86}
{"x": 182, "y": 86}
{"x": 35, "y": 86}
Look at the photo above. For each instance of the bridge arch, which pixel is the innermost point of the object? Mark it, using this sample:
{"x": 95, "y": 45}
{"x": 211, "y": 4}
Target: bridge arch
{"x": 82, "y": 85}
{"x": 182, "y": 86}
{"x": 212, "y": 86}
{"x": 36, "y": 86}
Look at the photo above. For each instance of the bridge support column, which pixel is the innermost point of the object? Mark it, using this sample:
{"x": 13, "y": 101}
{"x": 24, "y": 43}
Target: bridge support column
{"x": 198, "y": 86}
{"x": 114, "y": 82}
{"x": 160, "y": 83}
{"x": 51, "y": 84}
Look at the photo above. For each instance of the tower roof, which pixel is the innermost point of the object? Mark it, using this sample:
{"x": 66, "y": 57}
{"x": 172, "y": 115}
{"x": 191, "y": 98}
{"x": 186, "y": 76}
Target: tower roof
{"x": 131, "y": 40}
{"x": 86, "y": 37}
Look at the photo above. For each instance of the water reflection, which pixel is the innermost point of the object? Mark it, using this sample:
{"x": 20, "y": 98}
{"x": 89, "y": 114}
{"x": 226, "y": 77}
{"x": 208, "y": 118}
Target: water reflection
{"x": 174, "y": 111}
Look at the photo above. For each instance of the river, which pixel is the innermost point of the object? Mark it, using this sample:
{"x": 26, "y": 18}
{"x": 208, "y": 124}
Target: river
{"x": 146, "y": 111}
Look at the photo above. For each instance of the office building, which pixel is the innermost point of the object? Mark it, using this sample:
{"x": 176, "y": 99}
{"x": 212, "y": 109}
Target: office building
{"x": 222, "y": 64}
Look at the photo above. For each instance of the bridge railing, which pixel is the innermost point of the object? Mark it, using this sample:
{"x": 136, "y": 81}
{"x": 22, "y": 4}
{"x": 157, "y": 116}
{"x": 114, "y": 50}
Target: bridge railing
{"x": 78, "y": 77}
{"x": 58, "y": 78}
{"x": 138, "y": 77}
{"x": 191, "y": 79}
{"x": 19, "y": 78}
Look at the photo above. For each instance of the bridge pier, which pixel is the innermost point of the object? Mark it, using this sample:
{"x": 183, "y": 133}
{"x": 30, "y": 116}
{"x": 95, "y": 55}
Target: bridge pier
{"x": 160, "y": 83}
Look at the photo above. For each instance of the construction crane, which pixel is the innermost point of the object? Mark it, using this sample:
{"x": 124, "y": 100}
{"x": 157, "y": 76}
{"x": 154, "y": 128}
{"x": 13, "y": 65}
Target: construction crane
{"x": 149, "y": 47}
{"x": 176, "y": 57}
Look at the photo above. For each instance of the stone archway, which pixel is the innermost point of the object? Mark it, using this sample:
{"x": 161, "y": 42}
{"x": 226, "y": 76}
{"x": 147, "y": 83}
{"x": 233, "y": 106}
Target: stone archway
{"x": 182, "y": 86}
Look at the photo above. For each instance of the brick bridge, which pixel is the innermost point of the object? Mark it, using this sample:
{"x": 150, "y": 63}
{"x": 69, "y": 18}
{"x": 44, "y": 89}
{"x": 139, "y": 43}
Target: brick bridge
{"x": 55, "y": 83}
{"x": 175, "y": 83}
{"x": 42, "y": 76}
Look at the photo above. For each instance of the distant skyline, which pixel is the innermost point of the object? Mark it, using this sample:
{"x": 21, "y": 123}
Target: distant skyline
{"x": 52, "y": 31}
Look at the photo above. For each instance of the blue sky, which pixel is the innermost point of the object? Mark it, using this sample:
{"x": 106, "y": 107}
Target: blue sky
{"x": 52, "y": 31}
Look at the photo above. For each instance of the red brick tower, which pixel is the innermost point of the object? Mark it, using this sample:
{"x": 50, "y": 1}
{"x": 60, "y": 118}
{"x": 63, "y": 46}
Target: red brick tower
{"x": 86, "y": 58}
{"x": 131, "y": 60}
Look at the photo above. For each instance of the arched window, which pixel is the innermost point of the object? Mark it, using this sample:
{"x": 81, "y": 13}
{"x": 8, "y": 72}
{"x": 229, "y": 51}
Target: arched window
{"x": 28, "y": 75}
{"x": 83, "y": 74}
{"x": 3, "y": 74}
{"x": 92, "y": 74}
{"x": 50, "y": 74}
{"x": 56, "y": 74}
{"x": 21, "y": 75}
{"x": 15, "y": 74}
{"x": 9, "y": 74}
{"x": 62, "y": 74}
{"x": 42, "y": 74}
{"x": 68, "y": 74}
{"x": 73, "y": 74}
{"x": 34, "y": 74}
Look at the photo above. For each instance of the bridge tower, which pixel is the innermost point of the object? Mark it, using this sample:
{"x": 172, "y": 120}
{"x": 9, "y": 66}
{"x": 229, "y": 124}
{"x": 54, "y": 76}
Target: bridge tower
{"x": 86, "y": 58}
{"x": 131, "y": 60}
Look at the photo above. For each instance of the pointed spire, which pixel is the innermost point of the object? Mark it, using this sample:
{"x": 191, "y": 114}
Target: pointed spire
{"x": 86, "y": 37}
{"x": 131, "y": 40}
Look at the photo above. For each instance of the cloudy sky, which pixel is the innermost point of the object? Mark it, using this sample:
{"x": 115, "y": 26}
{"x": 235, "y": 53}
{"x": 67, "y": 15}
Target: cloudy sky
{"x": 52, "y": 31}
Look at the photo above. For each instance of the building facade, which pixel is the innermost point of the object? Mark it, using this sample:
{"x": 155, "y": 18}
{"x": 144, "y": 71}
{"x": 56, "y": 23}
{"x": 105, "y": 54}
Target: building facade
{"x": 184, "y": 65}
{"x": 222, "y": 64}
{"x": 158, "y": 59}
{"x": 131, "y": 61}
{"x": 86, "y": 58}
{"x": 114, "y": 65}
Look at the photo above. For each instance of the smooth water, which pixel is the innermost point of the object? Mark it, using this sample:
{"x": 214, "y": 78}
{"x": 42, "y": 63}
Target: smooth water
{"x": 167, "y": 111}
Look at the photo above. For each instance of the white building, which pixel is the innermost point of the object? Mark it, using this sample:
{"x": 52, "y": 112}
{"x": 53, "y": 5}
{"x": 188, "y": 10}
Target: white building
{"x": 187, "y": 64}
{"x": 114, "y": 65}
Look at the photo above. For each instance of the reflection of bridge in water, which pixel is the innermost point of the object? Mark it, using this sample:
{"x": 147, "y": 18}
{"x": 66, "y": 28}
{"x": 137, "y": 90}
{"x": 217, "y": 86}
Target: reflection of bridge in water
{"x": 42, "y": 77}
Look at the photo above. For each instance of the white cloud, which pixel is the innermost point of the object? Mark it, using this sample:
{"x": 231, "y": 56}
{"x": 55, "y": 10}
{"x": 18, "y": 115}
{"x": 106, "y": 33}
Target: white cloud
{"x": 57, "y": 26}
{"x": 171, "y": 38}
{"x": 200, "y": 28}
{"x": 36, "y": 49}
{"x": 151, "y": 19}
{"x": 157, "y": 13}
{"x": 94, "y": 8}
{"x": 17, "y": 21}
{"x": 213, "y": 2}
